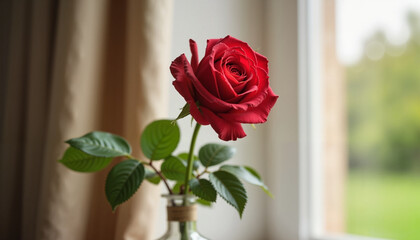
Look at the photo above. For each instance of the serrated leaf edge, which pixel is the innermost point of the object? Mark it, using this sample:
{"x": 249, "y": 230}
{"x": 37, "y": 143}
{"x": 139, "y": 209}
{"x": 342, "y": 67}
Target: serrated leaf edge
{"x": 254, "y": 173}
{"x": 215, "y": 153}
{"x": 115, "y": 207}
{"x": 199, "y": 196}
{"x": 71, "y": 141}
{"x": 89, "y": 157}
{"x": 246, "y": 199}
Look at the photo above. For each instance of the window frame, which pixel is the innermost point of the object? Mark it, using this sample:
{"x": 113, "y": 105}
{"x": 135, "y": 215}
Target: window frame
{"x": 294, "y": 152}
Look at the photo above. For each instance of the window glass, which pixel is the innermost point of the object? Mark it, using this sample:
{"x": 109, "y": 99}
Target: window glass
{"x": 372, "y": 117}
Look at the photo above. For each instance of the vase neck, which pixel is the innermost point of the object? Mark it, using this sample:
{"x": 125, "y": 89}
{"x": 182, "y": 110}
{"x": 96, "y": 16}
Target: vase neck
{"x": 175, "y": 227}
{"x": 181, "y": 213}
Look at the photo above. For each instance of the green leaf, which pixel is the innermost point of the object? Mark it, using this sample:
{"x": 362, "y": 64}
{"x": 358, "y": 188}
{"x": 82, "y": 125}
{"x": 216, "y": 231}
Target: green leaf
{"x": 176, "y": 189}
{"x": 184, "y": 112}
{"x": 253, "y": 172}
{"x": 151, "y": 176}
{"x": 203, "y": 189}
{"x": 263, "y": 186}
{"x": 123, "y": 181}
{"x": 159, "y": 139}
{"x": 79, "y": 161}
{"x": 212, "y": 154}
{"x": 229, "y": 188}
{"x": 184, "y": 158}
{"x": 101, "y": 144}
{"x": 247, "y": 174}
{"x": 203, "y": 202}
{"x": 174, "y": 169}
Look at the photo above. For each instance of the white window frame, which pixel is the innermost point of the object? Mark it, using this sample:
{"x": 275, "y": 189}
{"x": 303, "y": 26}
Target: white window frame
{"x": 294, "y": 149}
{"x": 310, "y": 124}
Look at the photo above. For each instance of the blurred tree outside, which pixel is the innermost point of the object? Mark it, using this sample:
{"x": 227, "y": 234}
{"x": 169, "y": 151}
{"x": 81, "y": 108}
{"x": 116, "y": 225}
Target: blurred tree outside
{"x": 383, "y": 118}
{"x": 383, "y": 101}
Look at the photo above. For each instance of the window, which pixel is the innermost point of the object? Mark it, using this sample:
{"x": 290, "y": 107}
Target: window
{"x": 365, "y": 120}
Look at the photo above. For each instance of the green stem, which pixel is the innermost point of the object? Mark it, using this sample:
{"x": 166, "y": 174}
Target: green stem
{"x": 190, "y": 158}
{"x": 183, "y": 227}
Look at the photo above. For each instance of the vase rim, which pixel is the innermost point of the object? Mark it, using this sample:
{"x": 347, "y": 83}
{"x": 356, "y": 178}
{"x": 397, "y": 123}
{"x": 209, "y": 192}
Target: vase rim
{"x": 178, "y": 196}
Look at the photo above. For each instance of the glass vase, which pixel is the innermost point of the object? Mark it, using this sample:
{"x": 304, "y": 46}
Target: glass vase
{"x": 182, "y": 218}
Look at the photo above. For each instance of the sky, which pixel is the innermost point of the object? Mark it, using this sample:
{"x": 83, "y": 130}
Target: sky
{"x": 357, "y": 20}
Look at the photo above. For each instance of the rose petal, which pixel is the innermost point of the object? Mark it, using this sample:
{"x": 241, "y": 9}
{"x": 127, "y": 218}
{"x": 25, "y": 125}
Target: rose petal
{"x": 210, "y": 101}
{"x": 225, "y": 88}
{"x": 194, "y": 55}
{"x": 206, "y": 71}
{"x": 210, "y": 44}
{"x": 252, "y": 96}
{"x": 229, "y": 85}
{"x": 207, "y": 87}
{"x": 233, "y": 42}
{"x": 234, "y": 57}
{"x": 225, "y": 129}
{"x": 257, "y": 97}
{"x": 183, "y": 84}
{"x": 256, "y": 114}
{"x": 207, "y": 77}
{"x": 239, "y": 98}
{"x": 262, "y": 62}
{"x": 206, "y": 98}
{"x": 239, "y": 88}
{"x": 197, "y": 115}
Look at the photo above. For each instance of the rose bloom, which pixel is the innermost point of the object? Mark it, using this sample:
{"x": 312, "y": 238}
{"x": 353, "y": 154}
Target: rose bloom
{"x": 229, "y": 86}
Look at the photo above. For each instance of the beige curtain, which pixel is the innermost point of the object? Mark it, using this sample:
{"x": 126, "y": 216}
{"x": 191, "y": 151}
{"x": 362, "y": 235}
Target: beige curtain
{"x": 67, "y": 68}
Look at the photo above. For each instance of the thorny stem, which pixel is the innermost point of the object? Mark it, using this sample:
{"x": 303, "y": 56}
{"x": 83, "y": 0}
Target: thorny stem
{"x": 154, "y": 169}
{"x": 161, "y": 176}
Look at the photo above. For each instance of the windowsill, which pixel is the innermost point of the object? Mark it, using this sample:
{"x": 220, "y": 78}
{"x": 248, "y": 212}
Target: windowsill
{"x": 345, "y": 237}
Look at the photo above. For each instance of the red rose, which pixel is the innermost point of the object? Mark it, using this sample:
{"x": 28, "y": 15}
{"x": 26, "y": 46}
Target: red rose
{"x": 229, "y": 86}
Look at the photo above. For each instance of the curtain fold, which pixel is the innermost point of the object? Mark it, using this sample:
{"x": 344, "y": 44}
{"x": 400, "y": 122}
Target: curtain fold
{"x": 72, "y": 67}
{"x": 12, "y": 109}
{"x": 148, "y": 47}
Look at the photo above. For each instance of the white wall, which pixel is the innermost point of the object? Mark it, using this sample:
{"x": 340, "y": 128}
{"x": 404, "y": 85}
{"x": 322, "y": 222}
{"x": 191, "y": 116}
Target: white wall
{"x": 202, "y": 20}
{"x": 284, "y": 135}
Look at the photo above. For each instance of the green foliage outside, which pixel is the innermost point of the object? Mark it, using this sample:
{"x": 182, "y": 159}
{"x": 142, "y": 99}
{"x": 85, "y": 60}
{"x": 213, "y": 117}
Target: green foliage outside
{"x": 383, "y": 101}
